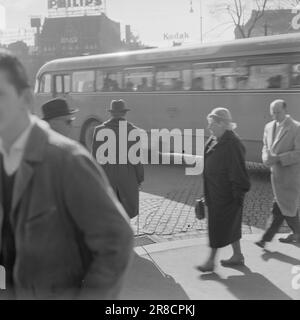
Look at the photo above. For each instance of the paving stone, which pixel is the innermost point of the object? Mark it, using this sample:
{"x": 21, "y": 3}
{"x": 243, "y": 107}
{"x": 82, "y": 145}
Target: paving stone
{"x": 170, "y": 213}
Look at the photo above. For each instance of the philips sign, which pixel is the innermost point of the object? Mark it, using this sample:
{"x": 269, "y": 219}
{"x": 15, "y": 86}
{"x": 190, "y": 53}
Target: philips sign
{"x": 73, "y": 4}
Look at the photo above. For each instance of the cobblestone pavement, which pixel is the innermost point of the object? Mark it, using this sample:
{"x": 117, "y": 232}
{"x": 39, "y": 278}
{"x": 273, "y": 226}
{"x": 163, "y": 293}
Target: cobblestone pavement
{"x": 167, "y": 205}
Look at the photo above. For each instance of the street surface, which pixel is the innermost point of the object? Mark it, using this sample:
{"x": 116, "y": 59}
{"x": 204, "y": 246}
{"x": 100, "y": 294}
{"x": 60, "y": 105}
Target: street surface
{"x": 167, "y": 205}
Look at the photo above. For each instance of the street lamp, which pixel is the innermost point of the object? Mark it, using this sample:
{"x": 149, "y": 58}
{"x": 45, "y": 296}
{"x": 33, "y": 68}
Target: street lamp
{"x": 201, "y": 19}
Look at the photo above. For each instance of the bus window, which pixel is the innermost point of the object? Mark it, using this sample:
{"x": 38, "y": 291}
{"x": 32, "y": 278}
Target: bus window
{"x": 173, "y": 77}
{"x": 108, "y": 80}
{"x": 225, "y": 77}
{"x": 45, "y": 84}
{"x": 67, "y": 83}
{"x": 268, "y": 76}
{"x": 295, "y": 76}
{"x": 36, "y": 86}
{"x": 139, "y": 79}
{"x": 58, "y": 84}
{"x": 202, "y": 77}
{"x": 83, "y": 81}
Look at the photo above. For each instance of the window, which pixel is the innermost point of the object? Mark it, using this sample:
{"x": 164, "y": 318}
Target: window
{"x": 62, "y": 83}
{"x": 45, "y": 84}
{"x": 225, "y": 76}
{"x": 36, "y": 86}
{"x": 268, "y": 77}
{"x": 295, "y": 76}
{"x": 173, "y": 77}
{"x": 139, "y": 79}
{"x": 67, "y": 83}
{"x": 58, "y": 84}
{"x": 202, "y": 77}
{"x": 83, "y": 81}
{"x": 107, "y": 80}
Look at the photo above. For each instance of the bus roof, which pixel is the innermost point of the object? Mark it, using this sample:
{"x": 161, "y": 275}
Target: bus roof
{"x": 242, "y": 47}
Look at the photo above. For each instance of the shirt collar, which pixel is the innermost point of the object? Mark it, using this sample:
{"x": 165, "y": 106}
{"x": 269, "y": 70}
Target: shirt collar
{"x": 281, "y": 124}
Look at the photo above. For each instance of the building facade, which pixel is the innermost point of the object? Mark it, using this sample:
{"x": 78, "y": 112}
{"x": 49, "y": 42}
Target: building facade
{"x": 273, "y": 22}
{"x": 79, "y": 35}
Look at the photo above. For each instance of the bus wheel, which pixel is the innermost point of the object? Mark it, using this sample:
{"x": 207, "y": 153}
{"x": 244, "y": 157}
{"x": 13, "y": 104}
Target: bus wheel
{"x": 87, "y": 131}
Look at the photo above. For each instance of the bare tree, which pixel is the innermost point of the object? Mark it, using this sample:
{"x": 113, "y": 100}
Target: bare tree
{"x": 287, "y": 4}
{"x": 240, "y": 10}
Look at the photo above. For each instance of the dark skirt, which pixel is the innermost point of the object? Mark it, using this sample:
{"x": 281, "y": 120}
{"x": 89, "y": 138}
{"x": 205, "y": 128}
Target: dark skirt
{"x": 224, "y": 224}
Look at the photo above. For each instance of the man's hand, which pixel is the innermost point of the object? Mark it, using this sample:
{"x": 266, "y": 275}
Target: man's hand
{"x": 272, "y": 158}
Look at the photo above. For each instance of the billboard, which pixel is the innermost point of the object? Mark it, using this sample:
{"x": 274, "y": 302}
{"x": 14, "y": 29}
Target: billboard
{"x": 66, "y": 7}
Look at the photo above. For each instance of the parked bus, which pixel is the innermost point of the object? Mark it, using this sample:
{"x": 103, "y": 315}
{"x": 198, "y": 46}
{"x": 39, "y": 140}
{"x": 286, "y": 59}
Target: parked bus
{"x": 177, "y": 87}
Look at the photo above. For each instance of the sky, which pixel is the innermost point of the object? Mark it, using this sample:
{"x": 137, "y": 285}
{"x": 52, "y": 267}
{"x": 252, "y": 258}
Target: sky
{"x": 150, "y": 20}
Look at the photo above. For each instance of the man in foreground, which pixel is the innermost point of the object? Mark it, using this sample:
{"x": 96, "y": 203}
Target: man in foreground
{"x": 63, "y": 234}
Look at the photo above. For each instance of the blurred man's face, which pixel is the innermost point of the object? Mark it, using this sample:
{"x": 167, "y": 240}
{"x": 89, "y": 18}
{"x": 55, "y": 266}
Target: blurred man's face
{"x": 11, "y": 102}
{"x": 63, "y": 125}
{"x": 277, "y": 111}
{"x": 118, "y": 115}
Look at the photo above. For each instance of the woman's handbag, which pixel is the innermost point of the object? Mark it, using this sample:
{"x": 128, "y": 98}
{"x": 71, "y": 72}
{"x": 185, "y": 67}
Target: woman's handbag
{"x": 200, "y": 209}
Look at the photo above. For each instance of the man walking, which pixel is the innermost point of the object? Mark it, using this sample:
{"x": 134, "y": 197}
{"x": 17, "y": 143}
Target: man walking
{"x": 59, "y": 116}
{"x": 281, "y": 152}
{"x": 63, "y": 234}
{"x": 124, "y": 178}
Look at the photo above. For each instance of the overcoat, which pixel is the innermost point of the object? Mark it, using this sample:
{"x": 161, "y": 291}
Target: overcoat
{"x": 225, "y": 183}
{"x": 285, "y": 174}
{"x": 125, "y": 179}
{"x": 72, "y": 236}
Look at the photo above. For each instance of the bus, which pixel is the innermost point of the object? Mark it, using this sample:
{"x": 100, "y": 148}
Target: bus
{"x": 178, "y": 87}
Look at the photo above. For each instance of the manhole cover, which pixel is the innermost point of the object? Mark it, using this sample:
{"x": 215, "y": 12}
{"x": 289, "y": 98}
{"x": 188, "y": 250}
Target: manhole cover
{"x": 140, "y": 241}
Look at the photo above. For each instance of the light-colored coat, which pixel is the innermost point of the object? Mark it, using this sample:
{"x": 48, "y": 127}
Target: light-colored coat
{"x": 285, "y": 174}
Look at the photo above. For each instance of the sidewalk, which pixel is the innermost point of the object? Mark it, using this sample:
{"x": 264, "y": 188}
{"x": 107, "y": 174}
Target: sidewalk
{"x": 166, "y": 271}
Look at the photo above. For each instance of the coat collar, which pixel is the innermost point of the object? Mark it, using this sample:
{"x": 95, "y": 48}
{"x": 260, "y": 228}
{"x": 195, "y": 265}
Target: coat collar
{"x": 283, "y": 131}
{"x": 34, "y": 153}
{"x": 228, "y": 135}
{"x": 213, "y": 143}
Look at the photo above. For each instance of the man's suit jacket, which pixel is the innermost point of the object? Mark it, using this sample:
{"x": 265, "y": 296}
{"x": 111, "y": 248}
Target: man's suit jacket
{"x": 285, "y": 175}
{"x": 72, "y": 236}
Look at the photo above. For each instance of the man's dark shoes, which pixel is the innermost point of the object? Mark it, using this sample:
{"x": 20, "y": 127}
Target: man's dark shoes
{"x": 261, "y": 244}
{"x": 292, "y": 238}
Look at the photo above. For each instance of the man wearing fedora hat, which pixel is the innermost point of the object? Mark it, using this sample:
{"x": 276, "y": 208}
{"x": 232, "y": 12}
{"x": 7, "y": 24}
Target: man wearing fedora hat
{"x": 63, "y": 233}
{"x": 124, "y": 178}
{"x": 59, "y": 116}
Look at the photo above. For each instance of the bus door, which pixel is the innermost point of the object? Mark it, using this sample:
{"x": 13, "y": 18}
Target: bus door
{"x": 62, "y": 88}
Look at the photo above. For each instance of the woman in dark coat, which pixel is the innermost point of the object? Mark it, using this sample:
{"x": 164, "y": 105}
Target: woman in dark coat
{"x": 225, "y": 183}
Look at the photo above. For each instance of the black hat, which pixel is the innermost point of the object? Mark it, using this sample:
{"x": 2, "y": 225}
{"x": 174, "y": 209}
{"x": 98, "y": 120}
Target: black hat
{"x": 56, "y": 108}
{"x": 118, "y": 106}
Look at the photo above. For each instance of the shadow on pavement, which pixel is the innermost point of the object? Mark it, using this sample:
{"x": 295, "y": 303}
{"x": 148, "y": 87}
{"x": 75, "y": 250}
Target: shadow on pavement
{"x": 267, "y": 255}
{"x": 146, "y": 281}
{"x": 249, "y": 286}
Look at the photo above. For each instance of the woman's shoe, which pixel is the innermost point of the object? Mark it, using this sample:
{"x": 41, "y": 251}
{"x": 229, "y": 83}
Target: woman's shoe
{"x": 233, "y": 262}
{"x": 207, "y": 267}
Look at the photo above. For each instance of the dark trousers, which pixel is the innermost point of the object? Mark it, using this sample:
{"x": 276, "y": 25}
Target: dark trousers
{"x": 278, "y": 218}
